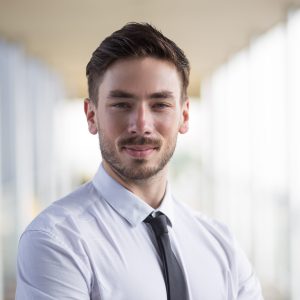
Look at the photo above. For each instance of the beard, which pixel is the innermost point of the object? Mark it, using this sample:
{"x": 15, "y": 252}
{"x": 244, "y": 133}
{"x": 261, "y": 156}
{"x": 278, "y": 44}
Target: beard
{"x": 137, "y": 169}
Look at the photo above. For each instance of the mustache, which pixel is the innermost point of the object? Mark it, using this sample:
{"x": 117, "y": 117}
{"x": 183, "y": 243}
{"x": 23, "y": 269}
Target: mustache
{"x": 139, "y": 140}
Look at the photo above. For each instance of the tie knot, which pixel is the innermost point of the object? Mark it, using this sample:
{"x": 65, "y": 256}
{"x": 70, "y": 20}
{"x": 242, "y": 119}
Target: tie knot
{"x": 158, "y": 224}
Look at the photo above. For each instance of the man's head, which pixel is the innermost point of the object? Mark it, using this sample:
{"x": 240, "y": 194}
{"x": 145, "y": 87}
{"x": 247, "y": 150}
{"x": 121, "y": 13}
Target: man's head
{"x": 135, "y": 40}
{"x": 137, "y": 83}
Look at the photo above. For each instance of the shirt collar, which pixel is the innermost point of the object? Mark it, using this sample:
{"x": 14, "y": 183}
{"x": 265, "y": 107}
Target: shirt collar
{"x": 167, "y": 206}
{"x": 127, "y": 204}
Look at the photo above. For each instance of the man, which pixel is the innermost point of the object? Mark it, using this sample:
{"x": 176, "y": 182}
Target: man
{"x": 123, "y": 235}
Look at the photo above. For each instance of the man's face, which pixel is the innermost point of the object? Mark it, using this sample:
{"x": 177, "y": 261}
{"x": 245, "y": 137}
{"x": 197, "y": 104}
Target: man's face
{"x": 138, "y": 116}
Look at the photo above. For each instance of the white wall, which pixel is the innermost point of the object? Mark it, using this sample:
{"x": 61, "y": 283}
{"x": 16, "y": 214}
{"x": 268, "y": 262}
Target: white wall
{"x": 253, "y": 101}
{"x": 29, "y": 92}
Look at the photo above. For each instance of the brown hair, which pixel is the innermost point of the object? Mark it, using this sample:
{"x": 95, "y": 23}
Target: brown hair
{"x": 134, "y": 40}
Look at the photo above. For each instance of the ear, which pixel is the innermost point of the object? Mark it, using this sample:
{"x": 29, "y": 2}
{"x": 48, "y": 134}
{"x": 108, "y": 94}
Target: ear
{"x": 90, "y": 112}
{"x": 184, "y": 122}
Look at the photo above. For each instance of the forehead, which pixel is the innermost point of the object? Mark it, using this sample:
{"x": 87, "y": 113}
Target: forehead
{"x": 141, "y": 74}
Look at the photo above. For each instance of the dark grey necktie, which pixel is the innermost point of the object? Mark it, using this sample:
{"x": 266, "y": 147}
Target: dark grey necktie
{"x": 174, "y": 278}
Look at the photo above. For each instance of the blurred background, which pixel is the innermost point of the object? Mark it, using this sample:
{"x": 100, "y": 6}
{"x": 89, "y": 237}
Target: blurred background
{"x": 240, "y": 162}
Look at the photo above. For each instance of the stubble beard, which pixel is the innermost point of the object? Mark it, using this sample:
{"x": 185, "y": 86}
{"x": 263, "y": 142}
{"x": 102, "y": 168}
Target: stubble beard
{"x": 138, "y": 170}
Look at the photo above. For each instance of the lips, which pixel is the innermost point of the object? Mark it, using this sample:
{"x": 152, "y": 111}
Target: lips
{"x": 139, "y": 151}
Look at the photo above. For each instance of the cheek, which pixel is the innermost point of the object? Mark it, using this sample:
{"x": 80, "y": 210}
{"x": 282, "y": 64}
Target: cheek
{"x": 168, "y": 126}
{"x": 111, "y": 126}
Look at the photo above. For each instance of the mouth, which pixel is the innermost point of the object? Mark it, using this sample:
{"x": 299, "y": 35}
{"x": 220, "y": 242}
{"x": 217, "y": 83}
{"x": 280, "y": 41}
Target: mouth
{"x": 139, "y": 151}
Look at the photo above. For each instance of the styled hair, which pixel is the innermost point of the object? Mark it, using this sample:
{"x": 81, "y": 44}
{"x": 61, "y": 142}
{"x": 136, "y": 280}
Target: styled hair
{"x": 134, "y": 40}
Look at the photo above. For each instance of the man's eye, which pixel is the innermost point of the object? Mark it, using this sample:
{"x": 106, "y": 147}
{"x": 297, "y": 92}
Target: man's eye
{"x": 160, "y": 105}
{"x": 121, "y": 105}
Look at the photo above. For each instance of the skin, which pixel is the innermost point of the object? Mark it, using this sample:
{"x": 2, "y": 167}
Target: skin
{"x": 138, "y": 117}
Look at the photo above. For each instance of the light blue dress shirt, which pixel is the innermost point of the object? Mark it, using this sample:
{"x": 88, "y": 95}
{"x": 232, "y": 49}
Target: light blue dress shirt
{"x": 93, "y": 244}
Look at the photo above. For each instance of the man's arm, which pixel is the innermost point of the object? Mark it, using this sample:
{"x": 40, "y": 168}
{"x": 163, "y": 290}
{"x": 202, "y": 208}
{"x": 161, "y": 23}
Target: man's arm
{"x": 47, "y": 269}
{"x": 248, "y": 287}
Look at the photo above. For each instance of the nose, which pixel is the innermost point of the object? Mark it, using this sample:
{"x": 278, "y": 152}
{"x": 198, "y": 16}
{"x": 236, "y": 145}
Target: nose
{"x": 141, "y": 121}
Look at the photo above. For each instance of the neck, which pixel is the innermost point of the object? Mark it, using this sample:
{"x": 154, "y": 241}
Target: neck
{"x": 150, "y": 190}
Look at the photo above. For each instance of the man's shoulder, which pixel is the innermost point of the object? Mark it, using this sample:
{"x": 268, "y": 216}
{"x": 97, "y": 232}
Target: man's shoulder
{"x": 65, "y": 210}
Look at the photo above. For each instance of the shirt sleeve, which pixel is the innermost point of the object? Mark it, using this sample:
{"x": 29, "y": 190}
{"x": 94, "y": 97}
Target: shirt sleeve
{"x": 47, "y": 269}
{"x": 248, "y": 284}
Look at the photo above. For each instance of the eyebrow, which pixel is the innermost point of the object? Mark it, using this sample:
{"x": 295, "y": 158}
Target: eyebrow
{"x": 161, "y": 95}
{"x": 165, "y": 94}
{"x": 120, "y": 94}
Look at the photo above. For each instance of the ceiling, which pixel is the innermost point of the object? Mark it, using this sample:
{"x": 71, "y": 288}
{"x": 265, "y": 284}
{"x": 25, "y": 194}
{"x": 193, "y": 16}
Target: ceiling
{"x": 64, "y": 33}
